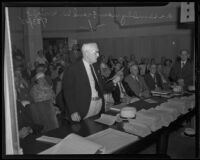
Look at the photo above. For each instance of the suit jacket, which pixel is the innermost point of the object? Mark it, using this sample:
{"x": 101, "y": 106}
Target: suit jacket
{"x": 150, "y": 81}
{"x": 185, "y": 73}
{"x": 76, "y": 88}
{"x": 136, "y": 86}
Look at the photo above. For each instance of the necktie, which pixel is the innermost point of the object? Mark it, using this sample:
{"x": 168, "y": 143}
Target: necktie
{"x": 121, "y": 88}
{"x": 182, "y": 64}
{"x": 154, "y": 77}
{"x": 95, "y": 79}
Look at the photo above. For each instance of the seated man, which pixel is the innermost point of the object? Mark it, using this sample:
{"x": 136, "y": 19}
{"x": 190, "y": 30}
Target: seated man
{"x": 137, "y": 83}
{"x": 153, "y": 79}
{"x": 121, "y": 92}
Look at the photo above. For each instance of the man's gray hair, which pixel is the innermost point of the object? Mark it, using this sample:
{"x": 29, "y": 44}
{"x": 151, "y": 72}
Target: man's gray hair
{"x": 87, "y": 47}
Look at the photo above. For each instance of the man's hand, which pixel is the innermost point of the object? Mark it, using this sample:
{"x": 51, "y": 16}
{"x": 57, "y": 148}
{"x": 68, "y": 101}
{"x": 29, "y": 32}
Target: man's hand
{"x": 57, "y": 110}
{"x": 25, "y": 131}
{"x": 75, "y": 117}
{"x": 116, "y": 79}
{"x": 25, "y": 102}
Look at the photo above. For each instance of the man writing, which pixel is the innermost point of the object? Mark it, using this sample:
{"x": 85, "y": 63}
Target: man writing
{"x": 82, "y": 85}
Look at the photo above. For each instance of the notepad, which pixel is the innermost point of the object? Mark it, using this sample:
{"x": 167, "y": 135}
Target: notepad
{"x": 49, "y": 139}
{"x": 75, "y": 144}
{"x": 112, "y": 139}
{"x": 160, "y": 92}
{"x": 150, "y": 100}
{"x": 106, "y": 119}
{"x": 118, "y": 107}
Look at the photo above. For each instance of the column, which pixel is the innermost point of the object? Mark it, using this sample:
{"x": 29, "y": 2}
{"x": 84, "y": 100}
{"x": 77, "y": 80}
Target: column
{"x": 33, "y": 41}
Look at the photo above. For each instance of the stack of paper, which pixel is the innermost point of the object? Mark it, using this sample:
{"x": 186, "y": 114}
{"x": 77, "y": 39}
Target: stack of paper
{"x": 49, "y": 139}
{"x": 106, "y": 119}
{"x": 152, "y": 121}
{"x": 166, "y": 107}
{"x": 118, "y": 107}
{"x": 137, "y": 127}
{"x": 160, "y": 92}
{"x": 112, "y": 139}
{"x": 179, "y": 104}
{"x": 75, "y": 144}
{"x": 189, "y": 101}
{"x": 167, "y": 118}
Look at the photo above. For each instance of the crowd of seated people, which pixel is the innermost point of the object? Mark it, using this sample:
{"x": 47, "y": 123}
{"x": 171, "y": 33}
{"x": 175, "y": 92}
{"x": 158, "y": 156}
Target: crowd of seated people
{"x": 37, "y": 86}
{"x": 40, "y": 85}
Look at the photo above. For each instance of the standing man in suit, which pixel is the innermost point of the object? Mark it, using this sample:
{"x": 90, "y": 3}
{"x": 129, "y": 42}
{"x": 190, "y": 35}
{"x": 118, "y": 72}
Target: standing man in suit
{"x": 122, "y": 92}
{"x": 153, "y": 79}
{"x": 82, "y": 85}
{"x": 182, "y": 71}
{"x": 137, "y": 83}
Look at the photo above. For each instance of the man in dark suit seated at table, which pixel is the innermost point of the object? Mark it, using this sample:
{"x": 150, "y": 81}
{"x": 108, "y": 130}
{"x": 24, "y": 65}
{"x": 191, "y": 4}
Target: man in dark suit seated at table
{"x": 153, "y": 79}
{"x": 182, "y": 71}
{"x": 82, "y": 85}
{"x": 137, "y": 83}
{"x": 122, "y": 92}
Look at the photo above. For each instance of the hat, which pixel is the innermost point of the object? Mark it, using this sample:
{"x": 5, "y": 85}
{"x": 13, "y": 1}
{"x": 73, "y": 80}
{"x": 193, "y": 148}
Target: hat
{"x": 39, "y": 75}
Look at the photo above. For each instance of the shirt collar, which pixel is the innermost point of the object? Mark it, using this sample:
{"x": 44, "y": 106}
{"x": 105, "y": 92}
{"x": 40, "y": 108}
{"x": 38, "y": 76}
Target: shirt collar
{"x": 86, "y": 63}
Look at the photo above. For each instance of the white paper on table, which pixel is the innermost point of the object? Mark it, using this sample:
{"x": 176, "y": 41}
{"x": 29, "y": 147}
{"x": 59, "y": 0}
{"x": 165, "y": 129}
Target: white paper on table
{"x": 150, "y": 100}
{"x": 112, "y": 139}
{"x": 166, "y": 117}
{"x": 74, "y": 144}
{"x": 180, "y": 105}
{"x": 153, "y": 121}
{"x": 49, "y": 139}
{"x": 118, "y": 107}
{"x": 137, "y": 127}
{"x": 173, "y": 111}
{"x": 106, "y": 119}
{"x": 134, "y": 99}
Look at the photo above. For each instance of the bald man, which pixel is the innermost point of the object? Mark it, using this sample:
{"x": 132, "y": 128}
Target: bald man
{"x": 82, "y": 85}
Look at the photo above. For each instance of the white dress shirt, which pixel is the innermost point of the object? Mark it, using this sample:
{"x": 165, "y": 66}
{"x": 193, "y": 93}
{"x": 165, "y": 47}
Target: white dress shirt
{"x": 183, "y": 63}
{"x": 91, "y": 78}
{"x": 95, "y": 106}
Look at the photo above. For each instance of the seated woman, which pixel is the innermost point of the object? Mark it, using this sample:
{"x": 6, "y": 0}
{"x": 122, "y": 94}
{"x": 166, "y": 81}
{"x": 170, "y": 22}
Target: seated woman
{"x": 153, "y": 79}
{"x": 43, "y": 110}
{"x": 26, "y": 125}
{"x": 137, "y": 83}
{"x": 25, "y": 122}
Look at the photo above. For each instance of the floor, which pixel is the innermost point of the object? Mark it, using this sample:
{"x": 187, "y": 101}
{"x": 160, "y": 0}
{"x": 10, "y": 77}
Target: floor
{"x": 180, "y": 146}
